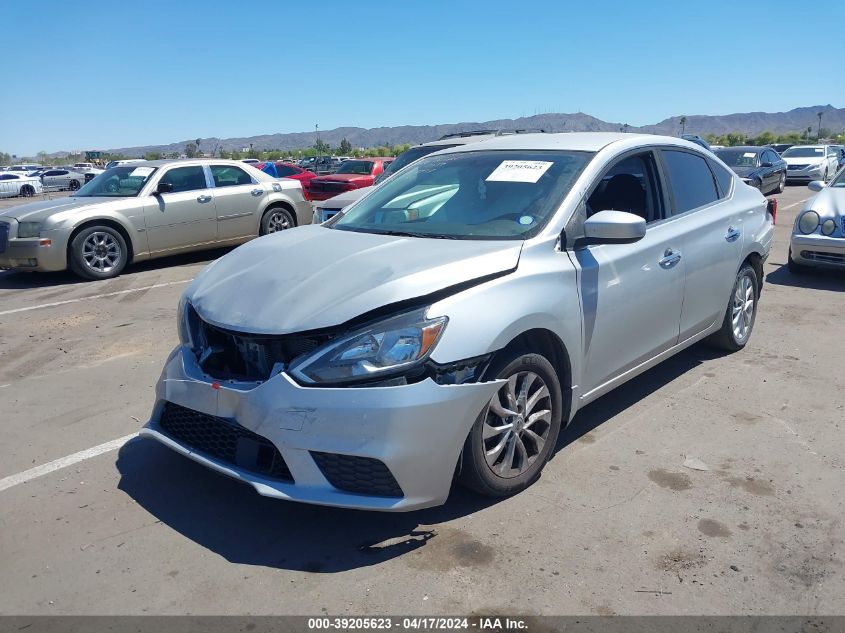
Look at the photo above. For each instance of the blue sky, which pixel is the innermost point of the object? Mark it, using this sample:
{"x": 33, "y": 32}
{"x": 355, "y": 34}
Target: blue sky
{"x": 102, "y": 74}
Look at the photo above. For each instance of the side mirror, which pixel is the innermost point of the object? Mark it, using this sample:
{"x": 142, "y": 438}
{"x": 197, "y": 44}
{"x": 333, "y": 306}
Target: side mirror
{"x": 815, "y": 185}
{"x": 164, "y": 187}
{"x": 614, "y": 227}
{"x": 766, "y": 163}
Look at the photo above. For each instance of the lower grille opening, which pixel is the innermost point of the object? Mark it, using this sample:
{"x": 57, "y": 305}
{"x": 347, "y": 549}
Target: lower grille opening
{"x": 224, "y": 441}
{"x": 829, "y": 258}
{"x": 361, "y": 475}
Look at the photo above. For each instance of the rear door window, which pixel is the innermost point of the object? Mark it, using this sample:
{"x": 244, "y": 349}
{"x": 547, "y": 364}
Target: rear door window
{"x": 691, "y": 181}
{"x": 229, "y": 176}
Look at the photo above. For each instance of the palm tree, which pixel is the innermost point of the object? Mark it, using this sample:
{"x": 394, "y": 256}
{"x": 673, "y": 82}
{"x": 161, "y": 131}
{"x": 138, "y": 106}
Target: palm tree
{"x": 819, "y": 132}
{"x": 683, "y": 124}
{"x": 624, "y": 128}
{"x": 809, "y": 131}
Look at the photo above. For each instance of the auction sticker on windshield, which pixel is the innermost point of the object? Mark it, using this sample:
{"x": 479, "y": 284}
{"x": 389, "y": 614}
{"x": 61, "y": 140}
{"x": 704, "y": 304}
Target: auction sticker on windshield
{"x": 141, "y": 172}
{"x": 519, "y": 171}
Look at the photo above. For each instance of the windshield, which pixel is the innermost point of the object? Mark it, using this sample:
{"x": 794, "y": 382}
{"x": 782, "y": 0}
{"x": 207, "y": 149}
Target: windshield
{"x": 839, "y": 181}
{"x": 361, "y": 167}
{"x": 117, "y": 182}
{"x": 737, "y": 157}
{"x": 804, "y": 152}
{"x": 409, "y": 156}
{"x": 499, "y": 195}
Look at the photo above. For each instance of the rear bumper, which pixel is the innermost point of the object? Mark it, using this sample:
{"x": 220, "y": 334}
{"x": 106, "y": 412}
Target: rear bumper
{"x": 417, "y": 431}
{"x": 818, "y": 250}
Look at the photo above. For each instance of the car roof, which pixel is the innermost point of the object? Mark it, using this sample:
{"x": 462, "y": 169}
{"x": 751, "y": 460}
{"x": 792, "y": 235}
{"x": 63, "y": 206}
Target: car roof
{"x": 571, "y": 141}
{"x": 191, "y": 161}
{"x": 815, "y": 146}
{"x": 743, "y": 148}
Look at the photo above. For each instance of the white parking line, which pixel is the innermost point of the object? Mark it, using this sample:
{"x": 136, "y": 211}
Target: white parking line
{"x": 63, "y": 462}
{"x": 106, "y": 294}
{"x": 795, "y": 204}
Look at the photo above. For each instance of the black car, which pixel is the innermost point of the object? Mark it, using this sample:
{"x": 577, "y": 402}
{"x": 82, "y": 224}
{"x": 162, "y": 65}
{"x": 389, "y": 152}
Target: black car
{"x": 760, "y": 167}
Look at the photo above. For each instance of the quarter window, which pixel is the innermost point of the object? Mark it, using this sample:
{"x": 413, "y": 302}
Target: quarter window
{"x": 691, "y": 180}
{"x": 185, "y": 178}
{"x": 723, "y": 178}
{"x": 229, "y": 176}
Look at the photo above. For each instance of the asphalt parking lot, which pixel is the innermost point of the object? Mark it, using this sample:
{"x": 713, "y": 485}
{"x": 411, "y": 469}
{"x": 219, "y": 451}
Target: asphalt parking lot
{"x": 617, "y": 523}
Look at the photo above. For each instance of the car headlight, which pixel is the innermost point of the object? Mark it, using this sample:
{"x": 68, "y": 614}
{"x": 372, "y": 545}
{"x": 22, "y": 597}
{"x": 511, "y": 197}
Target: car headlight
{"x": 808, "y": 222}
{"x": 828, "y": 227}
{"x": 388, "y": 347}
{"x": 29, "y": 229}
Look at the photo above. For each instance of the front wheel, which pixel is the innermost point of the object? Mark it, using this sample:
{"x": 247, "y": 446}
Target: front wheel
{"x": 781, "y": 184}
{"x": 741, "y": 312}
{"x": 73, "y": 185}
{"x": 515, "y": 434}
{"x": 98, "y": 252}
{"x": 27, "y": 191}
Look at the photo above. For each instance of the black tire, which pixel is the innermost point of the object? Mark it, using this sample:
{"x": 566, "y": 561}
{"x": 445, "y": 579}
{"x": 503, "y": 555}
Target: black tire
{"x": 77, "y": 253}
{"x": 73, "y": 185}
{"x": 276, "y": 219}
{"x": 727, "y": 338}
{"x": 475, "y": 473}
{"x": 27, "y": 191}
{"x": 781, "y": 184}
{"x": 794, "y": 267}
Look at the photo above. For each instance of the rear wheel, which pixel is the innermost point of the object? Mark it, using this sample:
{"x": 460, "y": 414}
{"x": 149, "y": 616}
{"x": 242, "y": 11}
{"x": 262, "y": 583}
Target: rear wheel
{"x": 515, "y": 434}
{"x": 27, "y": 191}
{"x": 741, "y": 312}
{"x": 781, "y": 184}
{"x": 98, "y": 252}
{"x": 275, "y": 220}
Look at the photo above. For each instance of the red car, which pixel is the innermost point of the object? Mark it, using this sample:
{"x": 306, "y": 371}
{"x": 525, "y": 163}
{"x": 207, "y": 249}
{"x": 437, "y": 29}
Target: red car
{"x": 352, "y": 174}
{"x": 286, "y": 170}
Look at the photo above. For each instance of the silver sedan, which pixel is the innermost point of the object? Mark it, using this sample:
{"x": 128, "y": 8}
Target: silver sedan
{"x": 818, "y": 236}
{"x": 153, "y": 209}
{"x": 450, "y": 323}
{"x": 60, "y": 178}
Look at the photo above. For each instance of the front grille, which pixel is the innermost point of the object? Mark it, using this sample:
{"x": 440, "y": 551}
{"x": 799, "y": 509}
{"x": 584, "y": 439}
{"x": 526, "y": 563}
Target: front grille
{"x": 328, "y": 186}
{"x": 4, "y": 236}
{"x": 826, "y": 258}
{"x": 224, "y": 441}
{"x": 796, "y": 167}
{"x": 362, "y": 475}
{"x": 237, "y": 356}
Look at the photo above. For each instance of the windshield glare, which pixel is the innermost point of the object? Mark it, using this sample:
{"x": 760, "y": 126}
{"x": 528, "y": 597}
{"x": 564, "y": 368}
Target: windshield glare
{"x": 499, "y": 195}
{"x": 804, "y": 152}
{"x": 737, "y": 158}
{"x": 117, "y": 182}
{"x": 839, "y": 181}
{"x": 361, "y": 167}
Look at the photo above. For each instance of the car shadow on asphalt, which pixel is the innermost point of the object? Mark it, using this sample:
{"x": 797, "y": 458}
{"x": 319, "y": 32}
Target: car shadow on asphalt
{"x": 821, "y": 279}
{"x": 230, "y": 519}
{"x": 14, "y": 280}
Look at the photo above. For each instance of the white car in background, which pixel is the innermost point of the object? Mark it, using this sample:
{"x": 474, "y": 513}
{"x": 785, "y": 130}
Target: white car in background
{"x": 62, "y": 178}
{"x": 26, "y": 169}
{"x": 811, "y": 162}
{"x": 19, "y": 184}
{"x": 127, "y": 161}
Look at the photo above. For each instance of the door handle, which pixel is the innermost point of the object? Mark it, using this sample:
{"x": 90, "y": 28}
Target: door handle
{"x": 732, "y": 234}
{"x": 670, "y": 258}
{"x": 204, "y": 198}
{"x": 257, "y": 192}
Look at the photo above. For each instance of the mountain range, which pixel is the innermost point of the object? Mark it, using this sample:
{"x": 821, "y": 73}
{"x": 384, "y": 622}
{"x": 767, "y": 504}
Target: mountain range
{"x": 751, "y": 123}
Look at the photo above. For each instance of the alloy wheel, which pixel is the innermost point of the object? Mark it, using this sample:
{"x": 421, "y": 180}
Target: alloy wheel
{"x": 101, "y": 252}
{"x": 517, "y": 424}
{"x": 279, "y": 221}
{"x": 742, "y": 313}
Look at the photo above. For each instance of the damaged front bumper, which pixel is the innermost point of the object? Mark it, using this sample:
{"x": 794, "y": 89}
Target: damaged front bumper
{"x": 376, "y": 448}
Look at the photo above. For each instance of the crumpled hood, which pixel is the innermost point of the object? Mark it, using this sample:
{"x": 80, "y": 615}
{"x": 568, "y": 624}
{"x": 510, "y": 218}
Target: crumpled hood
{"x": 41, "y": 210}
{"x": 314, "y": 277}
{"x": 828, "y": 203}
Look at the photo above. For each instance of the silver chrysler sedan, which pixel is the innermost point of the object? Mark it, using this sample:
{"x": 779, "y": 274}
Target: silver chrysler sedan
{"x": 818, "y": 235}
{"x": 141, "y": 211}
{"x": 447, "y": 325}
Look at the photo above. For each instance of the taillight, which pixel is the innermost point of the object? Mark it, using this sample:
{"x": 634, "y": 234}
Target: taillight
{"x": 772, "y": 208}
